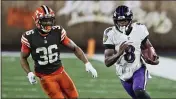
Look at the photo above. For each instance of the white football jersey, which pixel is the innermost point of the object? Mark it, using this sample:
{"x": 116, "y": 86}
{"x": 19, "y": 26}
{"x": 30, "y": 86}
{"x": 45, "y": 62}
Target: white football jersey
{"x": 130, "y": 60}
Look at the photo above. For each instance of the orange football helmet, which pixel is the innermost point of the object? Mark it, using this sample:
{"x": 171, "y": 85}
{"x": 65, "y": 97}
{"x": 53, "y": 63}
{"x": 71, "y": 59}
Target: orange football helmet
{"x": 44, "y": 18}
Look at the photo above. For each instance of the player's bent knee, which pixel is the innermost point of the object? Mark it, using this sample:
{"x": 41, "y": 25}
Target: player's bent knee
{"x": 74, "y": 95}
{"x": 141, "y": 94}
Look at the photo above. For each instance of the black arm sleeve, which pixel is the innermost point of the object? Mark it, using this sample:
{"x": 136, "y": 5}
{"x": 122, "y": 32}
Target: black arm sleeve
{"x": 144, "y": 41}
{"x": 109, "y": 46}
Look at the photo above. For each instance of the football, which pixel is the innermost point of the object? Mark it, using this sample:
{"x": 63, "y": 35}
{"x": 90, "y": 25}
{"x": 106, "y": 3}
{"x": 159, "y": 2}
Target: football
{"x": 149, "y": 54}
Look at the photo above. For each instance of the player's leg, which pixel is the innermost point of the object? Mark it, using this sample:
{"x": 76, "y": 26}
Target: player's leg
{"x": 51, "y": 87}
{"x": 128, "y": 86}
{"x": 140, "y": 78}
{"x": 68, "y": 86}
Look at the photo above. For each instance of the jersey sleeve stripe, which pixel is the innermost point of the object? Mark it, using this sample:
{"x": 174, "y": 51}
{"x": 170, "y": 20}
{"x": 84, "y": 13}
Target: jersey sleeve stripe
{"x": 25, "y": 48}
{"x": 24, "y": 38}
{"x": 24, "y": 42}
{"x": 63, "y": 34}
{"x": 62, "y": 38}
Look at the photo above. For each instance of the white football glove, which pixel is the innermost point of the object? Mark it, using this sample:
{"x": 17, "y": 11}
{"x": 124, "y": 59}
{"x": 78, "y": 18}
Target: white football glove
{"x": 89, "y": 68}
{"x": 31, "y": 78}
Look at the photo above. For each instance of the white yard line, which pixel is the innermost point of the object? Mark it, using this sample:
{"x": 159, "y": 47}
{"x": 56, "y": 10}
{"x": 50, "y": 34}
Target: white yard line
{"x": 20, "y": 89}
{"x": 165, "y": 69}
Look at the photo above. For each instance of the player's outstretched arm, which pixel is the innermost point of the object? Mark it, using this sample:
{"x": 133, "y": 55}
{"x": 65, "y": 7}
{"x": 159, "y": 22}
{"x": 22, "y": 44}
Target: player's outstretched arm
{"x": 25, "y": 52}
{"x": 80, "y": 54}
{"x": 148, "y": 53}
{"x": 24, "y": 62}
{"x": 111, "y": 56}
{"x": 25, "y": 66}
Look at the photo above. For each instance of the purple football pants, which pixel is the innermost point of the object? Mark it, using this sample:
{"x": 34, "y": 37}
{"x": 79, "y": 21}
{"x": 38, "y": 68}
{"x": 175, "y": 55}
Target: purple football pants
{"x": 137, "y": 81}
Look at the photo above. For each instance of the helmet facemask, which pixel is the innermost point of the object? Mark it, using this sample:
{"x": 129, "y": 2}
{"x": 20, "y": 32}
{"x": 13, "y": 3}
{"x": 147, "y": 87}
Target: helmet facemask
{"x": 46, "y": 24}
{"x": 122, "y": 25}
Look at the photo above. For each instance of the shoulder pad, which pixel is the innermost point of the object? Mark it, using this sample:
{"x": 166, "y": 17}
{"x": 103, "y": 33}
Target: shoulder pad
{"x": 137, "y": 23}
{"x": 107, "y": 30}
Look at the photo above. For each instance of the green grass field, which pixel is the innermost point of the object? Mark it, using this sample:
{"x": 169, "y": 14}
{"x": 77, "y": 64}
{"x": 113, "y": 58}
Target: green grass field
{"x": 15, "y": 83}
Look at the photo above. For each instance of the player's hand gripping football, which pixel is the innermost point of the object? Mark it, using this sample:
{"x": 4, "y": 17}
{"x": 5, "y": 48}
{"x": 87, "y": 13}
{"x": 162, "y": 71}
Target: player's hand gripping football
{"x": 122, "y": 47}
{"x": 155, "y": 61}
{"x": 89, "y": 68}
{"x": 31, "y": 78}
{"x": 150, "y": 56}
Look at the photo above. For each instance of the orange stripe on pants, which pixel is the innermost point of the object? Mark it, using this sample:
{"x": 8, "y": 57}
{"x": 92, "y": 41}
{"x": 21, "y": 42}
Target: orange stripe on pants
{"x": 58, "y": 86}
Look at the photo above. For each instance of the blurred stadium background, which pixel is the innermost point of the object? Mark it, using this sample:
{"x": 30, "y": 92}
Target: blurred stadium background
{"x": 85, "y": 22}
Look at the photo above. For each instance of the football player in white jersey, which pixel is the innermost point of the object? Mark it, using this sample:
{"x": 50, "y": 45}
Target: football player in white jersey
{"x": 125, "y": 44}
